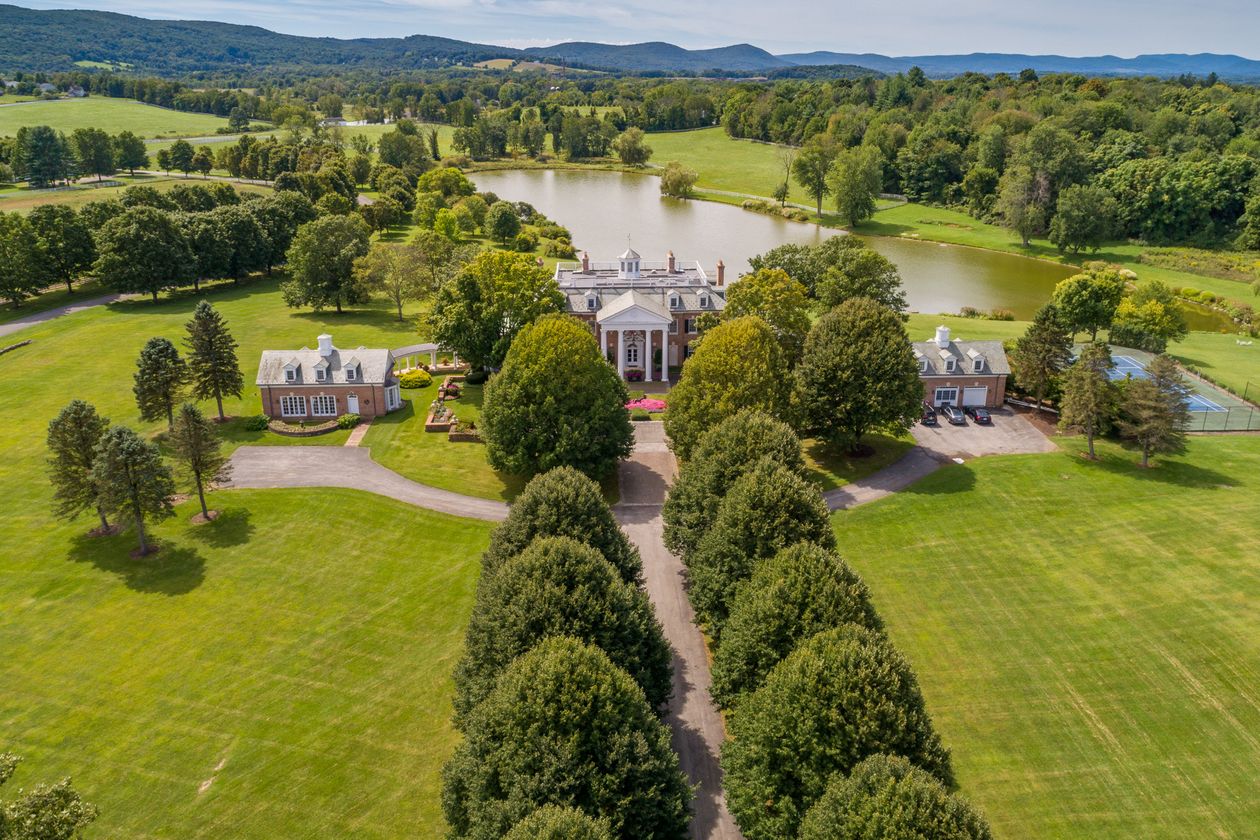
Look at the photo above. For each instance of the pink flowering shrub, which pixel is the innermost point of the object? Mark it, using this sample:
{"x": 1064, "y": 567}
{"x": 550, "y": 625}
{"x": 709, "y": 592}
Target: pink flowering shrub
{"x": 647, "y": 404}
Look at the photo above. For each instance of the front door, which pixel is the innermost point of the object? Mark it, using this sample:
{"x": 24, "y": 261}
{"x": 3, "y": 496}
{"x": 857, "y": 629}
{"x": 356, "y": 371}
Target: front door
{"x": 352, "y": 404}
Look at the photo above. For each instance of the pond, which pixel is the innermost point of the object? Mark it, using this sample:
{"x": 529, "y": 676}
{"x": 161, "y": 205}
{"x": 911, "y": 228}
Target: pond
{"x": 602, "y": 209}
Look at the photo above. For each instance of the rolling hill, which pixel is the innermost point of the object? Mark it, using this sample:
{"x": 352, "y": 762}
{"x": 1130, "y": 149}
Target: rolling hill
{"x": 944, "y": 66}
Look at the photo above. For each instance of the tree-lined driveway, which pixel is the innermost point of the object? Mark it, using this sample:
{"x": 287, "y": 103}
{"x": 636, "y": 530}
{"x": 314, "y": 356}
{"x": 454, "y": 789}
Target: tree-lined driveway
{"x": 696, "y": 727}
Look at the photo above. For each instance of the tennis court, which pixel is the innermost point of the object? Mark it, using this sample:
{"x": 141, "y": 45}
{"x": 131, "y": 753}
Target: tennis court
{"x": 1204, "y": 399}
{"x": 1127, "y": 367}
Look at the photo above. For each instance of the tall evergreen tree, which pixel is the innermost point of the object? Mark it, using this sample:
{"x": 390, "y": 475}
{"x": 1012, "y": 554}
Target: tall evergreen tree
{"x": 132, "y": 481}
{"x": 212, "y": 365}
{"x": 42, "y": 156}
{"x": 1154, "y": 411}
{"x": 1042, "y": 353}
{"x": 197, "y": 448}
{"x": 1089, "y": 397}
{"x": 72, "y": 439}
{"x": 160, "y": 378}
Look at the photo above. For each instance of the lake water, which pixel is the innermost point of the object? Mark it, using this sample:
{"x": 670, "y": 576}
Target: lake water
{"x": 602, "y": 209}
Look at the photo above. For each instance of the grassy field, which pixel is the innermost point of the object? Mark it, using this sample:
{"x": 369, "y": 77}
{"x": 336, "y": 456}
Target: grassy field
{"x": 23, "y": 199}
{"x": 112, "y": 115}
{"x": 237, "y": 682}
{"x": 724, "y": 163}
{"x": 1085, "y": 634}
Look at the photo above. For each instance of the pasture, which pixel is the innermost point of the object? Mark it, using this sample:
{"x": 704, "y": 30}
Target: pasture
{"x": 1084, "y": 634}
{"x": 112, "y": 115}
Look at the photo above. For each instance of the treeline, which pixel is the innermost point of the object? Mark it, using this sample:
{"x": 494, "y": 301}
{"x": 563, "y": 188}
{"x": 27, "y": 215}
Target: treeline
{"x": 563, "y": 681}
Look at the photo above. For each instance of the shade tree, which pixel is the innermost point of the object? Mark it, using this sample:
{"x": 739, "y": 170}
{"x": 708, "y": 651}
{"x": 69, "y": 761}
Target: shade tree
{"x": 767, "y": 509}
{"x": 736, "y": 365}
{"x": 143, "y": 251}
{"x": 133, "y": 484}
{"x": 198, "y": 450}
{"x": 321, "y": 263}
{"x": 857, "y": 373}
{"x": 45, "y": 812}
{"x": 560, "y": 587}
{"x": 1155, "y": 411}
{"x": 1087, "y": 302}
{"x": 840, "y": 697}
{"x": 556, "y": 403}
{"x": 65, "y": 241}
{"x": 794, "y": 595}
{"x": 780, "y": 301}
{"x": 23, "y": 269}
{"x": 887, "y": 796}
{"x": 565, "y": 726}
{"x": 553, "y": 822}
{"x": 723, "y": 454}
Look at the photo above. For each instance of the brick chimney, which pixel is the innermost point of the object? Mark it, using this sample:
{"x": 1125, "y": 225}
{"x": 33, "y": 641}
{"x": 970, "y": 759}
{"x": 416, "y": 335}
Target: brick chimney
{"x": 586, "y": 262}
{"x": 721, "y": 273}
{"x": 669, "y": 258}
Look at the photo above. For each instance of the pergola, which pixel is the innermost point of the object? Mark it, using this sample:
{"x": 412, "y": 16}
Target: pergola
{"x": 412, "y": 352}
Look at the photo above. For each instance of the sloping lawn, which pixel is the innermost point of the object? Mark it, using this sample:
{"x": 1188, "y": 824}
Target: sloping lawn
{"x": 281, "y": 672}
{"x": 1086, "y": 634}
{"x": 112, "y": 115}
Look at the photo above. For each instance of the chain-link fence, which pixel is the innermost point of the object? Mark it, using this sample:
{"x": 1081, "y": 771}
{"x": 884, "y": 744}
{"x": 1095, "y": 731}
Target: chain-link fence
{"x": 1232, "y": 419}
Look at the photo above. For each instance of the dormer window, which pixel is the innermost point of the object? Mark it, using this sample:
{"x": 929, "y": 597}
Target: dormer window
{"x": 923, "y": 365}
{"x": 704, "y": 301}
{"x": 977, "y": 365}
{"x": 950, "y": 363}
{"x": 290, "y": 375}
{"x": 675, "y": 302}
{"x": 320, "y": 374}
{"x": 592, "y": 302}
{"x": 351, "y": 374}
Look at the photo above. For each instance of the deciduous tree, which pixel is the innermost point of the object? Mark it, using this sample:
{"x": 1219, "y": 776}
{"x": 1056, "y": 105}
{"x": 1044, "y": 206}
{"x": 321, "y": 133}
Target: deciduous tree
{"x": 133, "y": 483}
{"x": 561, "y": 503}
{"x": 812, "y": 165}
{"x": 502, "y": 222}
{"x": 556, "y": 403}
{"x": 94, "y": 151}
{"x": 723, "y": 454}
{"x": 1084, "y": 219}
{"x": 143, "y": 250}
{"x": 857, "y": 373}
{"x": 72, "y": 439}
{"x": 565, "y": 726}
{"x": 479, "y": 311}
{"x": 181, "y": 156}
{"x": 799, "y": 592}
{"x": 130, "y": 152}
{"x": 737, "y": 365}
{"x": 1087, "y": 301}
{"x": 855, "y": 179}
{"x": 678, "y": 181}
{"x": 840, "y": 697}
{"x": 631, "y": 148}
{"x": 22, "y": 265}
{"x": 552, "y": 822}
{"x": 160, "y": 379}
{"x": 65, "y": 240}
{"x": 767, "y": 509}
{"x": 778, "y": 300}
{"x": 213, "y": 368}
{"x": 560, "y": 587}
{"x": 321, "y": 263}
{"x": 887, "y": 796}
{"x": 46, "y": 812}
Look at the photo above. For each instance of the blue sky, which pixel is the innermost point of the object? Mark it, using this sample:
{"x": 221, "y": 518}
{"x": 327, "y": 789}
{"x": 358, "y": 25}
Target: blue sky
{"x": 905, "y": 27}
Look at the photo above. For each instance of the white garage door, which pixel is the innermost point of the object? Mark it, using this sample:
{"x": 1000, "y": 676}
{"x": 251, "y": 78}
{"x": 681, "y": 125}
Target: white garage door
{"x": 975, "y": 396}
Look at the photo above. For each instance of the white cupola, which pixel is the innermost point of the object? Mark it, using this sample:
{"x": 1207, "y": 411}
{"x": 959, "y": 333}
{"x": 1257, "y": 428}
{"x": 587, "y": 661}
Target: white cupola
{"x": 325, "y": 345}
{"x": 629, "y": 265}
{"x": 942, "y": 336}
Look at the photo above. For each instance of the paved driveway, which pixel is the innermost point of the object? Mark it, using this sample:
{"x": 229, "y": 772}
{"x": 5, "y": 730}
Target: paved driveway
{"x": 1010, "y": 434}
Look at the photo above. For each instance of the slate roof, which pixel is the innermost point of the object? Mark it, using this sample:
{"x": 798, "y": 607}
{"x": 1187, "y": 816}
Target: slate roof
{"x": 689, "y": 297}
{"x": 631, "y": 299}
{"x": 963, "y": 353}
{"x": 375, "y": 366}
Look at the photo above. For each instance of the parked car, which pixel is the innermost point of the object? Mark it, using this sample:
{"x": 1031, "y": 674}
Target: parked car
{"x": 929, "y": 415}
{"x": 954, "y": 415}
{"x": 979, "y": 414}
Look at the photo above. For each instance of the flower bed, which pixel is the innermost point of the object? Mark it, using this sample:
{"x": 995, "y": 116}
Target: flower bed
{"x": 289, "y": 430}
{"x": 647, "y": 404}
{"x": 440, "y": 418}
{"x": 463, "y": 433}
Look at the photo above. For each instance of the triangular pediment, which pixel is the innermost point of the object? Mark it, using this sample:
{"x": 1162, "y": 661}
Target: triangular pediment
{"x": 634, "y": 309}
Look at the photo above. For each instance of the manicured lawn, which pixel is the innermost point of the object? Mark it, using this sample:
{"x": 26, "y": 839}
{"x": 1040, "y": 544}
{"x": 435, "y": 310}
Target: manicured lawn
{"x": 23, "y": 199}
{"x": 55, "y": 296}
{"x": 1085, "y": 634}
{"x": 1223, "y": 359}
{"x": 281, "y": 672}
{"x": 112, "y": 115}
{"x": 831, "y": 467}
{"x": 400, "y": 442}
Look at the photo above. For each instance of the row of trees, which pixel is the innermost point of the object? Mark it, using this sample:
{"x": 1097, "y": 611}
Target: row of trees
{"x": 44, "y": 156}
{"x": 819, "y": 702}
{"x": 563, "y": 680}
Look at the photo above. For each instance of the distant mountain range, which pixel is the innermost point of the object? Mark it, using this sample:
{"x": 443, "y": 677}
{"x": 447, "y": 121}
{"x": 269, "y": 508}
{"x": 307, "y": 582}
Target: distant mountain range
{"x": 64, "y": 39}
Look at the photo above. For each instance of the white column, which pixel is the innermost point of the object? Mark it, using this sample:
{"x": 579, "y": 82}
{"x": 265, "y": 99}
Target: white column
{"x": 432, "y": 360}
{"x": 621, "y": 353}
{"x": 647, "y": 359}
{"x": 603, "y": 343}
{"x": 665, "y": 355}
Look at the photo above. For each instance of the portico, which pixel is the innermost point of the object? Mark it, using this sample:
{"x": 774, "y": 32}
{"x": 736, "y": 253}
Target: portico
{"x": 636, "y": 326}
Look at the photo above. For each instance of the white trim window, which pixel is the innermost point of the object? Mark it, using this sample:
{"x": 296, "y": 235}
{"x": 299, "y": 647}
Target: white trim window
{"x": 321, "y": 375}
{"x": 673, "y": 328}
{"x": 393, "y": 398}
{"x": 675, "y": 302}
{"x": 977, "y": 366}
{"x": 293, "y": 406}
{"x": 352, "y": 373}
{"x": 945, "y": 396}
{"x": 704, "y": 301}
{"x": 689, "y": 325}
{"x": 923, "y": 363}
{"x": 324, "y": 405}
{"x": 592, "y": 303}
{"x": 290, "y": 375}
{"x": 950, "y": 364}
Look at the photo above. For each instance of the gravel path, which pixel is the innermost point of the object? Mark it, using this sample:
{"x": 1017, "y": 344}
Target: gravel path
{"x": 353, "y": 467}
{"x": 696, "y": 726}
